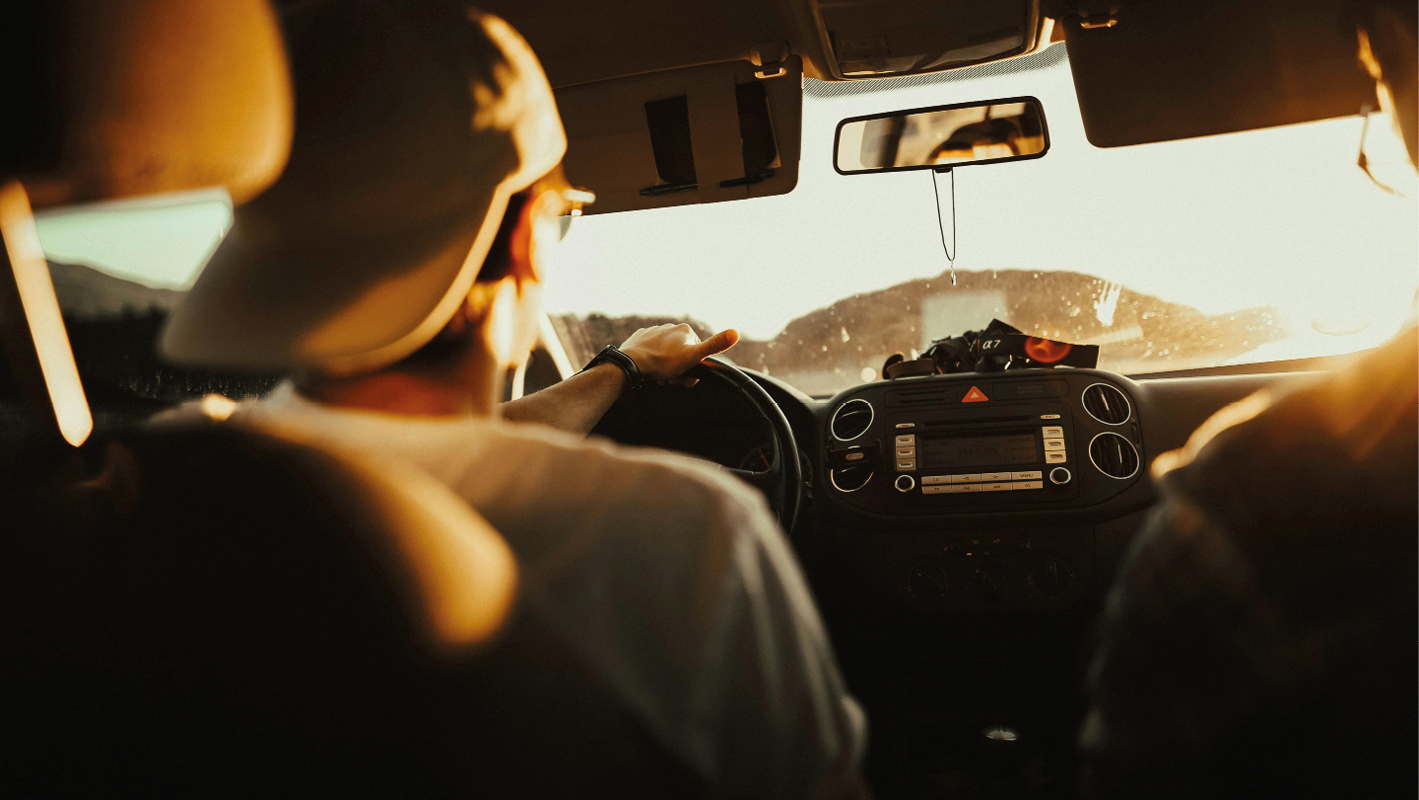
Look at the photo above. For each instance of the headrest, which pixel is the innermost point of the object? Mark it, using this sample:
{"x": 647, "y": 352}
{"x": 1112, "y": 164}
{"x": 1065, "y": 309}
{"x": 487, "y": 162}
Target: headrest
{"x": 113, "y": 98}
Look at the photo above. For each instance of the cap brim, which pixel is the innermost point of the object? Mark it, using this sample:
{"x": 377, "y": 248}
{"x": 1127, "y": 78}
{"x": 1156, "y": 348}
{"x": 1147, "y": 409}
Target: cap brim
{"x": 333, "y": 308}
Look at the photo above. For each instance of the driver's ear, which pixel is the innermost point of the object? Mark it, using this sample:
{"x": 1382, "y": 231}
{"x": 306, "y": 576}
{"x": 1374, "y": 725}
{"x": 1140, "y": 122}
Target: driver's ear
{"x": 492, "y": 309}
{"x": 537, "y": 232}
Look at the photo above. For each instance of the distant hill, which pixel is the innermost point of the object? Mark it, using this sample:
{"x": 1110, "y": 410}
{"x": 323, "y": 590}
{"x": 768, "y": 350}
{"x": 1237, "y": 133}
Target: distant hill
{"x": 113, "y": 326}
{"x": 87, "y": 292}
{"x": 827, "y": 349}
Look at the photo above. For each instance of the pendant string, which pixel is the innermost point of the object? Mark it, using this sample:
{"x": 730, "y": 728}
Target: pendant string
{"x": 1363, "y": 162}
{"x": 950, "y": 256}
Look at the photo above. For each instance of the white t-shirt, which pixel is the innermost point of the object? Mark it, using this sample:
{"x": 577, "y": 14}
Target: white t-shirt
{"x": 669, "y": 576}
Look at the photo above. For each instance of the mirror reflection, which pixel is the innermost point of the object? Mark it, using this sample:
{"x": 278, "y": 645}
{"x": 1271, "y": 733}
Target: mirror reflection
{"x": 947, "y": 137}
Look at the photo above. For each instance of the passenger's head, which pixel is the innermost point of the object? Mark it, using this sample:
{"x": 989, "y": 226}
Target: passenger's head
{"x": 425, "y": 131}
{"x": 1389, "y": 50}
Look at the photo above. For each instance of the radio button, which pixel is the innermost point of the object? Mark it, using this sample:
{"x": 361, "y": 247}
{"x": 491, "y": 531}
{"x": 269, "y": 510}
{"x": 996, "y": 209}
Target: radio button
{"x": 905, "y": 483}
{"x": 1049, "y": 416}
{"x": 933, "y": 480}
{"x": 995, "y": 476}
{"x": 935, "y": 489}
{"x": 996, "y": 487}
{"x": 1055, "y": 457}
{"x": 906, "y": 464}
{"x": 906, "y": 452}
{"x": 1029, "y": 484}
{"x": 973, "y": 478}
{"x": 854, "y": 456}
{"x": 1052, "y": 431}
{"x": 1033, "y": 475}
{"x": 960, "y": 488}
{"x": 909, "y": 440}
{"x": 1054, "y": 444}
{"x": 901, "y": 425}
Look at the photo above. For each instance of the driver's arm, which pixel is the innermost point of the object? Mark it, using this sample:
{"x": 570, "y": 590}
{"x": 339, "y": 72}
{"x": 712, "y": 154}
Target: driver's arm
{"x": 662, "y": 353}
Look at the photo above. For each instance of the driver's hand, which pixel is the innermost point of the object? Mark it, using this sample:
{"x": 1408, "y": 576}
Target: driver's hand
{"x": 664, "y": 352}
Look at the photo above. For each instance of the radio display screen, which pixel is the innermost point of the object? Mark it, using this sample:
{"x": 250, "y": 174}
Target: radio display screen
{"x": 977, "y": 451}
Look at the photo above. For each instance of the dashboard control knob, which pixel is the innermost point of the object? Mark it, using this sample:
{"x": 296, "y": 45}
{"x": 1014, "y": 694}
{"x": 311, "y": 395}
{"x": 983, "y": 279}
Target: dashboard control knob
{"x": 927, "y": 583}
{"x": 990, "y": 584}
{"x": 905, "y": 483}
{"x": 1051, "y": 577}
{"x": 1060, "y": 476}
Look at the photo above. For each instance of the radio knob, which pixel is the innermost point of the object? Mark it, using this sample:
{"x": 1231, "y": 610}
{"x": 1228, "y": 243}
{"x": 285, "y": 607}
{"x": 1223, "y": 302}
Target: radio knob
{"x": 990, "y": 584}
{"x": 927, "y": 583}
{"x": 905, "y": 483}
{"x": 1059, "y": 476}
{"x": 1051, "y": 577}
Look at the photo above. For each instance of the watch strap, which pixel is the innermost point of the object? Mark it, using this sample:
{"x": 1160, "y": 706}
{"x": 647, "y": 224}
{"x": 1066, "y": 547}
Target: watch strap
{"x": 613, "y": 355}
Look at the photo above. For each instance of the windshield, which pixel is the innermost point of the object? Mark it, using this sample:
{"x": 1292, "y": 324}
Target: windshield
{"x": 1249, "y": 247}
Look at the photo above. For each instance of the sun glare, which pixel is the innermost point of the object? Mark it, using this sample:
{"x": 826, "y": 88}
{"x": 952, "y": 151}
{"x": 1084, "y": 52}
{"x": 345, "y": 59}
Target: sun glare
{"x": 41, "y": 307}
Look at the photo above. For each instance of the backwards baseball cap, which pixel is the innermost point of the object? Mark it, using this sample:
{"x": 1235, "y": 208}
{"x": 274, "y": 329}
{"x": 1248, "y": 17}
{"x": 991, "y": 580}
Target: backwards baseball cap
{"x": 415, "y": 123}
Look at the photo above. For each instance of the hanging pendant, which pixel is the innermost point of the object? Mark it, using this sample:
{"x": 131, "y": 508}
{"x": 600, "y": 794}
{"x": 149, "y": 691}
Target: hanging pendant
{"x": 953, "y": 273}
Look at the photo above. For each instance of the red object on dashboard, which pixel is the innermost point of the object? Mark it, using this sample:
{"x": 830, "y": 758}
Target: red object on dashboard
{"x": 1046, "y": 351}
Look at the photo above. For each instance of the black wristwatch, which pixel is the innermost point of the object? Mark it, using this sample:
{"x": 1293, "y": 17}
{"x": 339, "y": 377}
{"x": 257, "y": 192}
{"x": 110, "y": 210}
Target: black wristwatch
{"x": 610, "y": 353}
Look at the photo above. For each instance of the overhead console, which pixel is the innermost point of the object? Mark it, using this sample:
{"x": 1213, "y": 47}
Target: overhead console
{"x": 872, "y": 39}
{"x": 983, "y": 443}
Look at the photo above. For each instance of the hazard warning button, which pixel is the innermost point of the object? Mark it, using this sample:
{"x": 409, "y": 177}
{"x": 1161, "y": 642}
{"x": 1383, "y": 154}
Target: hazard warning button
{"x": 975, "y": 395}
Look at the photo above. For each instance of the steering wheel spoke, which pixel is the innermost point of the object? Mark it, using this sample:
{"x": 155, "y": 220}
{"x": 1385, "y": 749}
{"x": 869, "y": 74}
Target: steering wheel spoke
{"x": 766, "y": 481}
{"x": 782, "y": 482}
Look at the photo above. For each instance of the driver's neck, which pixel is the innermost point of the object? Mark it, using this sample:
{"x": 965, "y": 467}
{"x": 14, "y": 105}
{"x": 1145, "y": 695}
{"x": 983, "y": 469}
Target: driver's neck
{"x": 467, "y": 389}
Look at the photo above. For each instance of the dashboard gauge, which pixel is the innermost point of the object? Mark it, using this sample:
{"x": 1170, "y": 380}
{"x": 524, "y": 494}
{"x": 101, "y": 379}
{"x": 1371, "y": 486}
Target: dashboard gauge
{"x": 758, "y": 459}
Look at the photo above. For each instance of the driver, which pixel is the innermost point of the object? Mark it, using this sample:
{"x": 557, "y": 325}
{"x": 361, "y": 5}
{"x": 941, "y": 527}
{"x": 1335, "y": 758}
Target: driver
{"x": 1259, "y": 640}
{"x": 393, "y": 273}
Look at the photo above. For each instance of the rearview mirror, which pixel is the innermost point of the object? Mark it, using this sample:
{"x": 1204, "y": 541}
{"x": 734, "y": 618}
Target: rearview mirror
{"x": 942, "y": 136}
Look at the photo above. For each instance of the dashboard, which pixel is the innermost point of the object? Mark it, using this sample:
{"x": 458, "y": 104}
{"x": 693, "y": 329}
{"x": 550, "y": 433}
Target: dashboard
{"x": 959, "y": 533}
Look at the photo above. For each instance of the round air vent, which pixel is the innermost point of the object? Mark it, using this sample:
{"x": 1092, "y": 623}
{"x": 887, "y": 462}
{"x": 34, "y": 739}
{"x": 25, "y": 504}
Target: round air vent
{"x": 1114, "y": 456}
{"x": 850, "y": 479}
{"x": 1107, "y": 404}
{"x": 851, "y": 420}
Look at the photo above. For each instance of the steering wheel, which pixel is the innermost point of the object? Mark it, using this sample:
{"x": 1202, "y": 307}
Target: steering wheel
{"x": 782, "y": 482}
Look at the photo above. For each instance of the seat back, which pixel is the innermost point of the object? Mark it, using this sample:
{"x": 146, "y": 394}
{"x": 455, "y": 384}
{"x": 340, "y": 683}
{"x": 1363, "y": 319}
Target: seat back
{"x": 226, "y": 612}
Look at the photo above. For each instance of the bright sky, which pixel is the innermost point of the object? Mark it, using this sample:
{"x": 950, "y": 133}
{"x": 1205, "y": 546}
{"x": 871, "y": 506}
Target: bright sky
{"x": 1280, "y": 217}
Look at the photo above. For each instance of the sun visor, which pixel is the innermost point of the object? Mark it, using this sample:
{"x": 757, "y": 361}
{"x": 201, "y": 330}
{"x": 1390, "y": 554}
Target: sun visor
{"x": 700, "y": 134}
{"x": 1158, "y": 70}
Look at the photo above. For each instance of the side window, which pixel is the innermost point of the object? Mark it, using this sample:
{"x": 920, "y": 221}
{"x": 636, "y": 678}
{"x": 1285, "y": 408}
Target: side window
{"x": 119, "y": 269}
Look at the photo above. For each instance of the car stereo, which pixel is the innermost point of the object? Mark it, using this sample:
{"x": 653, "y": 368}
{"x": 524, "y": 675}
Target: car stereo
{"x": 1021, "y": 448}
{"x": 971, "y": 442}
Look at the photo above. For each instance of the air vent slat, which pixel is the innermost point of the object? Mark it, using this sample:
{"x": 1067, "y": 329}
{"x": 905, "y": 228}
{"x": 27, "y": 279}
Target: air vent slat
{"x": 850, "y": 479}
{"x": 1114, "y": 456}
{"x": 926, "y": 395}
{"x": 1107, "y": 404}
{"x": 851, "y": 420}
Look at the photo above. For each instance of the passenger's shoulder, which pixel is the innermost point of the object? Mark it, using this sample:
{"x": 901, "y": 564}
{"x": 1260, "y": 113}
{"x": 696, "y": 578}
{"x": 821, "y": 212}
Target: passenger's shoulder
{"x": 1335, "y": 453}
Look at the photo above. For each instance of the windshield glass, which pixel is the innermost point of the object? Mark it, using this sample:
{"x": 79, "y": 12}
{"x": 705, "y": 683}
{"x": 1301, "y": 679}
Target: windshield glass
{"x": 1249, "y": 247}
